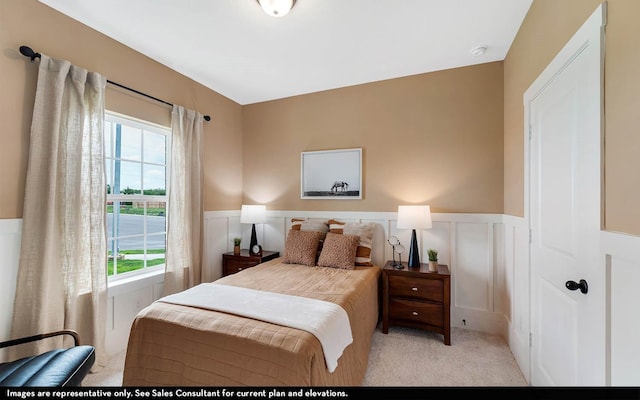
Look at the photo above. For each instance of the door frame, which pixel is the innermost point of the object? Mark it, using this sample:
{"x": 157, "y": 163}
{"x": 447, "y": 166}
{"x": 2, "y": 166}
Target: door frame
{"x": 594, "y": 25}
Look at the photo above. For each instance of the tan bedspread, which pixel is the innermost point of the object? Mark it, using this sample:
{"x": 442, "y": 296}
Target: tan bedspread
{"x": 175, "y": 345}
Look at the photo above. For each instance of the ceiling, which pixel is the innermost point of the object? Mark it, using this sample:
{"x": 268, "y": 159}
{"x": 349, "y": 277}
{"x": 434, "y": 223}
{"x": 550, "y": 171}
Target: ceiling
{"x": 235, "y": 49}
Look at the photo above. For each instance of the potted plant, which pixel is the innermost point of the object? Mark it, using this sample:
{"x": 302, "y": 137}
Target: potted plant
{"x": 236, "y": 245}
{"x": 433, "y": 260}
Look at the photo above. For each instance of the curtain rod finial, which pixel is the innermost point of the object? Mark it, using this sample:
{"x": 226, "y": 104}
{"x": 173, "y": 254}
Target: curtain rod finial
{"x": 28, "y": 52}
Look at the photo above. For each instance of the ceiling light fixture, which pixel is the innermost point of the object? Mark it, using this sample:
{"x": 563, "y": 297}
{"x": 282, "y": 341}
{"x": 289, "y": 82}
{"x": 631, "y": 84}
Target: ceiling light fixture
{"x": 478, "y": 51}
{"x": 276, "y": 8}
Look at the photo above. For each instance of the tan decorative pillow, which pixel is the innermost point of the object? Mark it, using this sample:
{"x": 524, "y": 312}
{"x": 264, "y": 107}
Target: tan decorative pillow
{"x": 299, "y": 224}
{"x": 301, "y": 247}
{"x": 303, "y": 224}
{"x": 364, "y": 231}
{"x": 339, "y": 251}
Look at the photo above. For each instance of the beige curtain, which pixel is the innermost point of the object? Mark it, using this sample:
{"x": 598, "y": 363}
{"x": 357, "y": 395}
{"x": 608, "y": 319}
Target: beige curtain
{"x": 62, "y": 272}
{"x": 185, "y": 215}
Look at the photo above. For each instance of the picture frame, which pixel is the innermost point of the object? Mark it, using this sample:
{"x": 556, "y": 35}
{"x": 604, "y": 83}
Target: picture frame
{"x": 331, "y": 174}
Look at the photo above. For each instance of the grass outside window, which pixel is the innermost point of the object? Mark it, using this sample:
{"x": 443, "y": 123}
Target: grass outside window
{"x": 125, "y": 265}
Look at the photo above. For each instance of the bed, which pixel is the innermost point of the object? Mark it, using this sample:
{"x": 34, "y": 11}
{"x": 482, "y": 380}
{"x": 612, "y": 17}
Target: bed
{"x": 178, "y": 344}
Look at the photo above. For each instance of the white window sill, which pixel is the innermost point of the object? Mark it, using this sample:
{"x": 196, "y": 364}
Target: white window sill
{"x": 137, "y": 281}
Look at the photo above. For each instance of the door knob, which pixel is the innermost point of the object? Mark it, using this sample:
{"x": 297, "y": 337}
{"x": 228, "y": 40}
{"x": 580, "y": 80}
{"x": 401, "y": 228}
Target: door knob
{"x": 582, "y": 285}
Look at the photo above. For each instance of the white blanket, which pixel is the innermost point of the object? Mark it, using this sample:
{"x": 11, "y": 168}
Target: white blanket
{"x": 325, "y": 320}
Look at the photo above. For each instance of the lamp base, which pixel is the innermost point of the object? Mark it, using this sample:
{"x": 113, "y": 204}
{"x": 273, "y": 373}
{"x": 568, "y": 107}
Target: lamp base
{"x": 414, "y": 256}
{"x": 254, "y": 238}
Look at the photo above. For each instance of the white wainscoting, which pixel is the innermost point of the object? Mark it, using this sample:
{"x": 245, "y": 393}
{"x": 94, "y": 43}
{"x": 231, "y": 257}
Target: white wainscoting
{"x": 621, "y": 258}
{"x": 515, "y": 288}
{"x": 487, "y": 254}
{"x": 125, "y": 299}
{"x": 10, "y": 233}
{"x": 470, "y": 244}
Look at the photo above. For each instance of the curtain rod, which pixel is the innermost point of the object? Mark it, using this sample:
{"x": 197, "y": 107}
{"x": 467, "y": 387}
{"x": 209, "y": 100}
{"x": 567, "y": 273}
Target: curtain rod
{"x": 28, "y": 52}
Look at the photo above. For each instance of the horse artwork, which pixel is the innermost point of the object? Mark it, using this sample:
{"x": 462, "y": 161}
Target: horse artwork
{"x": 331, "y": 174}
{"x": 339, "y": 186}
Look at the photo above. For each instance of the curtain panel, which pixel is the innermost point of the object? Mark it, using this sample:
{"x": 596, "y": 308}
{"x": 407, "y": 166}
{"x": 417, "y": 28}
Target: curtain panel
{"x": 185, "y": 216}
{"x": 62, "y": 272}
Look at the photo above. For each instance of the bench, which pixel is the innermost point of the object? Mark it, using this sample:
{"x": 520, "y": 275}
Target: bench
{"x": 65, "y": 367}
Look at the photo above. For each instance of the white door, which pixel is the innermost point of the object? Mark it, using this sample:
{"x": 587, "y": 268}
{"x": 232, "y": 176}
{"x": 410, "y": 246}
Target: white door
{"x": 563, "y": 107}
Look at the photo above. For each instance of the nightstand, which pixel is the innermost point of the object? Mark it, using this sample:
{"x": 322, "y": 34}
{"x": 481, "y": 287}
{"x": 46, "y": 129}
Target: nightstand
{"x": 417, "y": 298}
{"x": 234, "y": 263}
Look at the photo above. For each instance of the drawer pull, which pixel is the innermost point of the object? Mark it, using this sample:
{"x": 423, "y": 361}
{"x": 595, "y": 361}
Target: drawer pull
{"x": 414, "y": 313}
{"x": 415, "y": 289}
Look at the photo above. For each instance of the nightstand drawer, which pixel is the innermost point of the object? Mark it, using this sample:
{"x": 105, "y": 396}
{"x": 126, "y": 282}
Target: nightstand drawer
{"x": 232, "y": 263}
{"x": 415, "y": 311}
{"x": 421, "y": 289}
{"x": 233, "y": 266}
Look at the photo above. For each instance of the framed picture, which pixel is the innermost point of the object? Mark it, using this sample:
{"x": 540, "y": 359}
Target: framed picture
{"x": 331, "y": 174}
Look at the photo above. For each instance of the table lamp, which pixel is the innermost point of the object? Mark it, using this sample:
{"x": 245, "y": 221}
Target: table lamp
{"x": 253, "y": 214}
{"x": 414, "y": 217}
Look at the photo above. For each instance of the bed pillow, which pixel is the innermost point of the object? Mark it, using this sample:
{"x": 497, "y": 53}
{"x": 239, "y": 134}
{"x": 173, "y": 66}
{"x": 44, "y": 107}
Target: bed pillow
{"x": 364, "y": 231}
{"x": 300, "y": 224}
{"x": 339, "y": 251}
{"x": 301, "y": 247}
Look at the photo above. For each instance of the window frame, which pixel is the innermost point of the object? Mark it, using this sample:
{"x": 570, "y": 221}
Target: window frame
{"x": 122, "y": 119}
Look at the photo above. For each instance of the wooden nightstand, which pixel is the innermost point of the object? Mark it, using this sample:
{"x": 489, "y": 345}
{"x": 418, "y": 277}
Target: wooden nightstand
{"x": 232, "y": 263}
{"x": 417, "y": 298}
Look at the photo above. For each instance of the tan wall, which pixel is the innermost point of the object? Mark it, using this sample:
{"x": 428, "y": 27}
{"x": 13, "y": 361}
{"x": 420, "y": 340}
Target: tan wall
{"x": 433, "y": 138}
{"x": 28, "y": 22}
{"x": 397, "y": 122}
{"x": 547, "y": 27}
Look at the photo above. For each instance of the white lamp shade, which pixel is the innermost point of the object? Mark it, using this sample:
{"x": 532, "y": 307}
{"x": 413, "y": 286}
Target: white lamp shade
{"x": 276, "y": 8}
{"x": 414, "y": 217}
{"x": 253, "y": 214}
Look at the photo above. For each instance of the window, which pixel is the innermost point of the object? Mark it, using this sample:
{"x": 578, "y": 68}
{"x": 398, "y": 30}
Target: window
{"x": 136, "y": 154}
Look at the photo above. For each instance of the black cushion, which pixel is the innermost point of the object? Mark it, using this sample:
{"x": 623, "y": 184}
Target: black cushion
{"x": 61, "y": 367}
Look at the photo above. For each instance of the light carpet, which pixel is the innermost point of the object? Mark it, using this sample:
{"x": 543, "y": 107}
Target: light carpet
{"x": 410, "y": 357}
